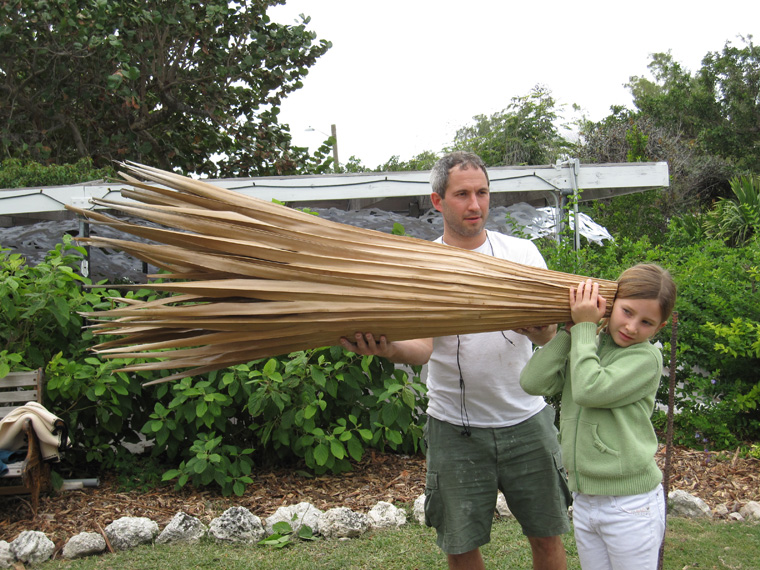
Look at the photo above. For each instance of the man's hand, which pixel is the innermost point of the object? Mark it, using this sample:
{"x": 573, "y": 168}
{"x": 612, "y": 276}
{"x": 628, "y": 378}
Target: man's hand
{"x": 539, "y": 335}
{"x": 414, "y": 352}
{"x": 365, "y": 344}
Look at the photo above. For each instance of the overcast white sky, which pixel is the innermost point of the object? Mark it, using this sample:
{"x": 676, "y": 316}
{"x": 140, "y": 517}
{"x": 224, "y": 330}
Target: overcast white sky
{"x": 404, "y": 75}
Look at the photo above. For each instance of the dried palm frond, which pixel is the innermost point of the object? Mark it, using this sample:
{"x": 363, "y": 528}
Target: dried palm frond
{"x": 250, "y": 279}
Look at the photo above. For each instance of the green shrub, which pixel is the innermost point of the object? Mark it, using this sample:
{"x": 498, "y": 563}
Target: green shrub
{"x": 17, "y": 174}
{"x": 39, "y": 305}
{"x": 321, "y": 407}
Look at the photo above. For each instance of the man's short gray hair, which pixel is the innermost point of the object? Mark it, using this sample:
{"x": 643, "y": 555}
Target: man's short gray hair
{"x": 439, "y": 176}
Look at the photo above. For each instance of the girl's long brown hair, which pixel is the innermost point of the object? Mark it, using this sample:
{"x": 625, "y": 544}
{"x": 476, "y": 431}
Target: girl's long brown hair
{"x": 648, "y": 281}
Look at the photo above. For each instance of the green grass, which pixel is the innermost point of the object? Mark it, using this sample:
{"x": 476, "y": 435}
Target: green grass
{"x": 689, "y": 544}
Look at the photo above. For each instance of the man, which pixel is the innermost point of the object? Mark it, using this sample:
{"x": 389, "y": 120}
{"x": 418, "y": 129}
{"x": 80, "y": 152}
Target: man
{"x": 484, "y": 433}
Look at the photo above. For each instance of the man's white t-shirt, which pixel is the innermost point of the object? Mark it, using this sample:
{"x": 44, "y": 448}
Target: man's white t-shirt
{"x": 490, "y": 362}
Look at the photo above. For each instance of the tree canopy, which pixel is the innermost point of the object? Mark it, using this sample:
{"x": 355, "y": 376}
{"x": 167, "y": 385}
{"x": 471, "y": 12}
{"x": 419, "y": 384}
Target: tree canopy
{"x": 717, "y": 108}
{"x": 526, "y": 132}
{"x": 185, "y": 85}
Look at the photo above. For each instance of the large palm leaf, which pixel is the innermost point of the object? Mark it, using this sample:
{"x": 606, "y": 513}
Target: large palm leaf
{"x": 248, "y": 279}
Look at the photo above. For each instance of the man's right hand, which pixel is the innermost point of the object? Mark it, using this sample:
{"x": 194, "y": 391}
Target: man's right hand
{"x": 414, "y": 352}
{"x": 365, "y": 343}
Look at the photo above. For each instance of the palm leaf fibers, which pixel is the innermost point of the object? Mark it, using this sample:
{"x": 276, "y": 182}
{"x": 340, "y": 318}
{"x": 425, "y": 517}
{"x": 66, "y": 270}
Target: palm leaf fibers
{"x": 248, "y": 279}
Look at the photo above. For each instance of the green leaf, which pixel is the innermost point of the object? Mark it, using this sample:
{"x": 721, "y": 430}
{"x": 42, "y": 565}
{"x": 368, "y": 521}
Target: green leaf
{"x": 407, "y": 396}
{"x": 337, "y": 449}
{"x": 321, "y": 454}
{"x": 282, "y": 527}
{"x": 394, "y": 436}
{"x": 171, "y": 474}
{"x": 355, "y": 449}
{"x": 270, "y": 367}
{"x": 318, "y": 376}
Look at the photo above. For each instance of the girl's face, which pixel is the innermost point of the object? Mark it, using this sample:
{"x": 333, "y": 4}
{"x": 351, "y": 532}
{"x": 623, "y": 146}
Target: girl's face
{"x": 634, "y": 320}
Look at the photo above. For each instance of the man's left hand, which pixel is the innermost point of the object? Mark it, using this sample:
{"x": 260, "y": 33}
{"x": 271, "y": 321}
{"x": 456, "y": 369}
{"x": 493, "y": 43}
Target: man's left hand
{"x": 539, "y": 335}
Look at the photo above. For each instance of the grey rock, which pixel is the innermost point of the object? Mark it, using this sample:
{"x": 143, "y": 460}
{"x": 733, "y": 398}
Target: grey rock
{"x": 237, "y": 524}
{"x": 751, "y": 511}
{"x": 418, "y": 512}
{"x": 385, "y": 515}
{"x": 342, "y": 522}
{"x": 84, "y": 544}
{"x": 721, "y": 510}
{"x": 6, "y": 556}
{"x": 32, "y": 547}
{"x": 129, "y": 532}
{"x": 296, "y": 516}
{"x": 682, "y": 504}
{"x": 183, "y": 528}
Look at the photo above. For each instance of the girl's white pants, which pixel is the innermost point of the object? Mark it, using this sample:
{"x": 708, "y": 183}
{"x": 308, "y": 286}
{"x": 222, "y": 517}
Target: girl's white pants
{"x": 619, "y": 532}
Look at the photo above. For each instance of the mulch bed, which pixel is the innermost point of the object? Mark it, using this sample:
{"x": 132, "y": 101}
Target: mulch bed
{"x": 715, "y": 478}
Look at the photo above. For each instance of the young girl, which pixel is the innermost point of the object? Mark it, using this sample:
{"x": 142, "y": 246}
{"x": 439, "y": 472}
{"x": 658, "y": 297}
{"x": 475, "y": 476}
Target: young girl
{"x": 608, "y": 383}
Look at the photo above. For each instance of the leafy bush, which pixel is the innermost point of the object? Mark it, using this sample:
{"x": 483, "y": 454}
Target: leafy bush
{"x": 322, "y": 407}
{"x": 17, "y": 174}
{"x": 39, "y": 305}
{"x": 633, "y": 216}
{"x": 736, "y": 221}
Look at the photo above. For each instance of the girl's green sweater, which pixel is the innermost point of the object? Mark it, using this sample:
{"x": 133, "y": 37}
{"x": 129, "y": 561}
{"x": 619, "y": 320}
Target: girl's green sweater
{"x": 608, "y": 392}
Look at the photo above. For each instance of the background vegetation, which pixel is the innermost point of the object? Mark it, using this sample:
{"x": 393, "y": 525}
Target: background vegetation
{"x": 119, "y": 80}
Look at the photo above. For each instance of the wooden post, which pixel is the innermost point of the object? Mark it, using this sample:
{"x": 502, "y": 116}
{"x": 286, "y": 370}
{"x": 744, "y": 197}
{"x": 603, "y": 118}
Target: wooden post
{"x": 334, "y": 132}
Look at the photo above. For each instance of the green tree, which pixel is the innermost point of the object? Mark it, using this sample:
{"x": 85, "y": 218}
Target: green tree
{"x": 625, "y": 135}
{"x": 526, "y": 132}
{"x": 717, "y": 108}
{"x": 423, "y": 161}
{"x": 187, "y": 85}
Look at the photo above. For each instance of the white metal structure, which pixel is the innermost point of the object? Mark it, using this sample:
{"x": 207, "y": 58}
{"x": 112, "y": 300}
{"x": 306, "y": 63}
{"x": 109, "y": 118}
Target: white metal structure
{"x": 524, "y": 183}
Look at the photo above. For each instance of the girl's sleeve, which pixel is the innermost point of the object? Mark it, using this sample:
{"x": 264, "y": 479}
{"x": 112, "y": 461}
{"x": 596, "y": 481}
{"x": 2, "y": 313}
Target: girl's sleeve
{"x": 544, "y": 374}
{"x": 631, "y": 375}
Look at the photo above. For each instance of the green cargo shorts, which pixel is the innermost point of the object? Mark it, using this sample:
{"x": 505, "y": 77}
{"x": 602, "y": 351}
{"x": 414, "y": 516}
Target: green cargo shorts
{"x": 464, "y": 473}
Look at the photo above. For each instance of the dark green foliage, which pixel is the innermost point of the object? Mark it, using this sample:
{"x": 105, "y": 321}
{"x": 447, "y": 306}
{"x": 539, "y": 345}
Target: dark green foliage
{"x": 187, "y": 85}
{"x": 633, "y": 216}
{"x": 17, "y": 174}
{"x": 38, "y": 305}
{"x": 321, "y": 407}
{"x": 716, "y": 109}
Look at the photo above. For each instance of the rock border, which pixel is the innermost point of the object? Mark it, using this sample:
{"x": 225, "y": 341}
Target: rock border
{"x": 238, "y": 525}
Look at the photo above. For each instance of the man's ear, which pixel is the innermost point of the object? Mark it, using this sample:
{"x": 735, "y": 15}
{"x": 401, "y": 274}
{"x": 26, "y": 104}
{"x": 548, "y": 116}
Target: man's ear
{"x": 435, "y": 198}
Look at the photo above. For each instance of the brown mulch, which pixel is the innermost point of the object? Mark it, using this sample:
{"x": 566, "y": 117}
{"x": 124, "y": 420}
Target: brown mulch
{"x": 716, "y": 478}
